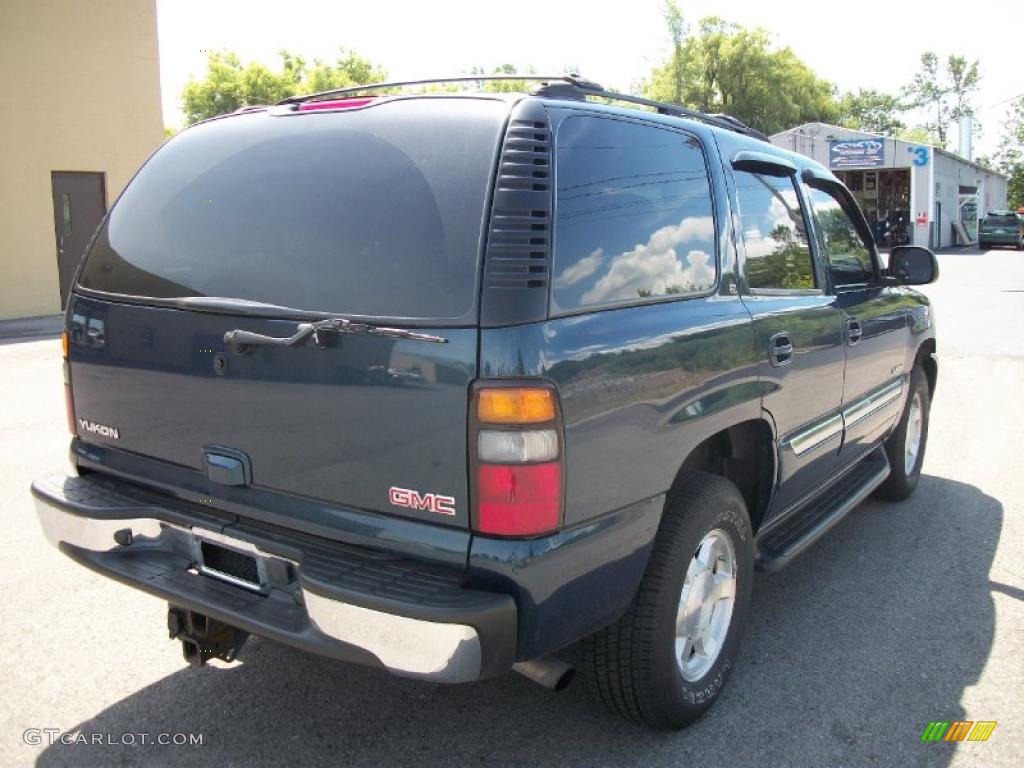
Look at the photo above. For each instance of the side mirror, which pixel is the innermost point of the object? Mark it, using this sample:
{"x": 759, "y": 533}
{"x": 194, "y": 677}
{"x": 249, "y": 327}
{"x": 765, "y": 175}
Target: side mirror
{"x": 913, "y": 265}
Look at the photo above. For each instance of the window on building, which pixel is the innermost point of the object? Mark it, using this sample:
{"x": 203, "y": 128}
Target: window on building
{"x": 65, "y": 213}
{"x": 634, "y": 218}
{"x": 774, "y": 233}
{"x": 843, "y": 249}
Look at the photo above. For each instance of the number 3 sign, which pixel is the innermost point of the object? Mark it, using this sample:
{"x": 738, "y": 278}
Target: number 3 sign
{"x": 920, "y": 155}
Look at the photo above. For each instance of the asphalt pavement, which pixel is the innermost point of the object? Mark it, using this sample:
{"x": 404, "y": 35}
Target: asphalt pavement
{"x": 903, "y": 614}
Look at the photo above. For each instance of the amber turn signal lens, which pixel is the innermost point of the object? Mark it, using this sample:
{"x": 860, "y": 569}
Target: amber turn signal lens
{"x": 64, "y": 343}
{"x": 515, "y": 405}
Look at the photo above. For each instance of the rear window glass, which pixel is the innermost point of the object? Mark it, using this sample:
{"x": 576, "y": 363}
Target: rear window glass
{"x": 374, "y": 212}
{"x": 1009, "y": 220}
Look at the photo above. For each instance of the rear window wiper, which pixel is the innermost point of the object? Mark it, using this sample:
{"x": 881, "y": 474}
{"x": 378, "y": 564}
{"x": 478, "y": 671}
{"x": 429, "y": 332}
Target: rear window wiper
{"x": 241, "y": 339}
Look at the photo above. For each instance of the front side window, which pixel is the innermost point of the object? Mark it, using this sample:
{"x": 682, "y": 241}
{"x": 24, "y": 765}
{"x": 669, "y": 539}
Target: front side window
{"x": 774, "y": 233}
{"x": 843, "y": 249}
{"x": 634, "y": 214}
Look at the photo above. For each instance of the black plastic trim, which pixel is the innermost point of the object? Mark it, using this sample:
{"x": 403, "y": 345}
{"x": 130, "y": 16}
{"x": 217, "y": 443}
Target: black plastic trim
{"x": 808, "y": 520}
{"x": 517, "y": 254}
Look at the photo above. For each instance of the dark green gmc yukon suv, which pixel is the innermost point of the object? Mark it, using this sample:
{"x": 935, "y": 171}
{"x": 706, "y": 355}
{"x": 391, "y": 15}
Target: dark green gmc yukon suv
{"x": 459, "y": 383}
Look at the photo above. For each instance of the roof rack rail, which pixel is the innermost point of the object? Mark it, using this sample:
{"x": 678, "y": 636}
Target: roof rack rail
{"x": 572, "y": 79}
{"x": 727, "y": 122}
{"x": 569, "y": 85}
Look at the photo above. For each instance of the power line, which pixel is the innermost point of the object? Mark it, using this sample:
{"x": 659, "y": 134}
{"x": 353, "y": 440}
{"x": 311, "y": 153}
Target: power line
{"x": 1002, "y": 101}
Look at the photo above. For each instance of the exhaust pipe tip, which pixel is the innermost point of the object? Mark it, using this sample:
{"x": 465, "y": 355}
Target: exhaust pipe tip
{"x": 554, "y": 674}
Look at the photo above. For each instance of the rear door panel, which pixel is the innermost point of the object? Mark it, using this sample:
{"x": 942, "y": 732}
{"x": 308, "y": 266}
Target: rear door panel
{"x": 804, "y": 395}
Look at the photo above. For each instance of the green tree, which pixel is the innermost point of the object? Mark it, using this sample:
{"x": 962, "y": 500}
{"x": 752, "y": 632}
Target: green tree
{"x": 728, "y": 68}
{"x": 1010, "y": 157}
{"x": 871, "y": 110}
{"x": 944, "y": 92}
{"x": 677, "y": 32}
{"x": 228, "y": 85}
{"x": 788, "y": 266}
{"x": 964, "y": 80}
{"x": 502, "y": 86}
{"x": 918, "y": 135}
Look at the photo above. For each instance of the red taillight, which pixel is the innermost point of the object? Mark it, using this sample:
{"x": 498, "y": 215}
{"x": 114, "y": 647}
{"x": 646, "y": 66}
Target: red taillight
{"x": 310, "y": 106}
{"x": 69, "y": 407}
{"x": 519, "y": 499}
{"x": 69, "y": 399}
{"x": 516, "y": 438}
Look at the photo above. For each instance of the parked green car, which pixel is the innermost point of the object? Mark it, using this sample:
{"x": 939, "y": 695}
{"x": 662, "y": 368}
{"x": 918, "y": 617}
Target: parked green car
{"x": 1001, "y": 228}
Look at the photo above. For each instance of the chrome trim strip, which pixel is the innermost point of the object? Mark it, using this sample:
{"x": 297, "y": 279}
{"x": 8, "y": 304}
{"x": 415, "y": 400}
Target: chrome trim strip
{"x": 260, "y": 586}
{"x": 427, "y": 650}
{"x": 249, "y": 586}
{"x": 872, "y": 402}
{"x": 816, "y": 434}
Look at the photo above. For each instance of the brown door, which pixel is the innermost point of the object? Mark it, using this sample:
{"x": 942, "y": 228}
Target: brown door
{"x": 79, "y": 202}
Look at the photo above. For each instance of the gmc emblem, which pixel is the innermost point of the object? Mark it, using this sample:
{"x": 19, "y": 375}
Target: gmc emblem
{"x": 432, "y": 502}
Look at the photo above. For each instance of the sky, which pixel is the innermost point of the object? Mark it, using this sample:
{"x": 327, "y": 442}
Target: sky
{"x": 854, "y": 45}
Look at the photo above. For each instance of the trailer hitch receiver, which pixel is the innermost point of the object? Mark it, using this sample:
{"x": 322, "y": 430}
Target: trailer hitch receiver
{"x": 203, "y": 638}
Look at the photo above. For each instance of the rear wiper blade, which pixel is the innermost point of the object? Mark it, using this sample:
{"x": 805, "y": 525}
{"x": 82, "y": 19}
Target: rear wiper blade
{"x": 240, "y": 339}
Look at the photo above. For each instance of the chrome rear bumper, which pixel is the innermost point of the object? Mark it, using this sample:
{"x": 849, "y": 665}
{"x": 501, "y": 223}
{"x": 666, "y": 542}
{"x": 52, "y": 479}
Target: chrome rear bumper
{"x": 108, "y": 534}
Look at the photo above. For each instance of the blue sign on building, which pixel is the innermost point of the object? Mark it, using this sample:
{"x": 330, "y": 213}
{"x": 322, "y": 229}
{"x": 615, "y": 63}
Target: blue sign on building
{"x": 856, "y": 153}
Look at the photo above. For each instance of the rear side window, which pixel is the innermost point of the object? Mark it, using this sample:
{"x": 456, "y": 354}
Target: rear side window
{"x": 634, "y": 214}
{"x": 374, "y": 212}
{"x": 774, "y": 232}
{"x": 842, "y": 247}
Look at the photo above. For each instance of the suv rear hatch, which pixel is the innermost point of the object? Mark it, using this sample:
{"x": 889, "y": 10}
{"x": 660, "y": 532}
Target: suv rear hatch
{"x": 258, "y": 222}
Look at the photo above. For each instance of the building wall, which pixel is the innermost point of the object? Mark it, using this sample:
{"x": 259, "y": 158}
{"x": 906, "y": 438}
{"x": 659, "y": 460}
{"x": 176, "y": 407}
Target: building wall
{"x": 79, "y": 91}
{"x": 813, "y": 139}
{"x": 920, "y": 200}
{"x": 938, "y": 181}
{"x": 952, "y": 173}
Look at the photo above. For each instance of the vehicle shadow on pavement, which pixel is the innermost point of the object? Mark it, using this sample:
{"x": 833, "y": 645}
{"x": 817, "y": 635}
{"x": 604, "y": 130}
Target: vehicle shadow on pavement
{"x": 850, "y": 652}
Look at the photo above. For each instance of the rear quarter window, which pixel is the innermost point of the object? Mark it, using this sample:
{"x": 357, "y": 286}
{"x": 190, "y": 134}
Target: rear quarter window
{"x": 1001, "y": 221}
{"x": 374, "y": 212}
{"x": 634, "y": 218}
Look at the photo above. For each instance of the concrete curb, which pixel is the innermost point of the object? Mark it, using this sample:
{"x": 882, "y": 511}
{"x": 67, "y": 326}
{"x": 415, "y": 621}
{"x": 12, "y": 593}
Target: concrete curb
{"x": 31, "y": 327}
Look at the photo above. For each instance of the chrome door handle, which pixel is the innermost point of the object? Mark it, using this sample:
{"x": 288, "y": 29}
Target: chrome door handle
{"x": 854, "y": 333}
{"x": 780, "y": 349}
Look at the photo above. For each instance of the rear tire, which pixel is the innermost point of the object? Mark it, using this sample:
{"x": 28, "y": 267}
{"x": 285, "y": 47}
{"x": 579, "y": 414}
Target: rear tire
{"x": 904, "y": 460}
{"x": 632, "y": 666}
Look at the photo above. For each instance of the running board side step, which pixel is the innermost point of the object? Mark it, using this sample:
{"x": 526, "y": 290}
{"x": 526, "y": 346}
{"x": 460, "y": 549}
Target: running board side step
{"x": 786, "y": 537}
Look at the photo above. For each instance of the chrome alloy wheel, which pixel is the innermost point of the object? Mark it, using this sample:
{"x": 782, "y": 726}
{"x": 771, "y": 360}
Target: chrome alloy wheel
{"x": 705, "y": 605}
{"x": 912, "y": 443}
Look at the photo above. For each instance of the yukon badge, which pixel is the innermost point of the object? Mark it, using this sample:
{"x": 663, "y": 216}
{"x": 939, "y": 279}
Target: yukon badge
{"x": 432, "y": 502}
{"x": 102, "y": 430}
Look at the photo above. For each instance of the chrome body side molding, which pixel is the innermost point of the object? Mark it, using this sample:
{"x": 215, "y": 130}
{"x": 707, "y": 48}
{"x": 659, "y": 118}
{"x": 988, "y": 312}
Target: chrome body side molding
{"x": 816, "y": 434}
{"x": 872, "y": 402}
{"x": 834, "y": 424}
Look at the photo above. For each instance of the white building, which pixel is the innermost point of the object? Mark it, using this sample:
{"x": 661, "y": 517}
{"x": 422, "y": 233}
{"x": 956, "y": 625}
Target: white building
{"x": 929, "y": 193}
